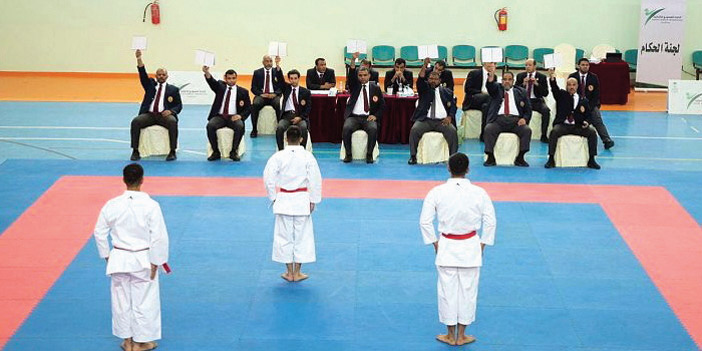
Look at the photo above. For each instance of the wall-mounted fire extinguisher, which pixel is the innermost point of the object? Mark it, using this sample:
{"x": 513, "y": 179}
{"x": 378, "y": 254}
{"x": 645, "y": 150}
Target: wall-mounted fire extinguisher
{"x": 501, "y": 18}
{"x": 155, "y": 12}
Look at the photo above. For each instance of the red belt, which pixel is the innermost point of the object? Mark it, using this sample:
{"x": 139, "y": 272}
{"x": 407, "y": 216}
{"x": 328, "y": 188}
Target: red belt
{"x": 459, "y": 236}
{"x": 292, "y": 191}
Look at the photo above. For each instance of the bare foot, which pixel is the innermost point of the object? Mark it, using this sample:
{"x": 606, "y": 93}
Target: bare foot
{"x": 144, "y": 346}
{"x": 287, "y": 277}
{"x": 300, "y": 277}
{"x": 465, "y": 339}
{"x": 448, "y": 339}
{"x": 126, "y": 345}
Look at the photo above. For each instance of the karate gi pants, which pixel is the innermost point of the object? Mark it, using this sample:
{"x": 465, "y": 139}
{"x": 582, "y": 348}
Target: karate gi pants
{"x": 457, "y": 290}
{"x": 293, "y": 239}
{"x": 136, "y": 306}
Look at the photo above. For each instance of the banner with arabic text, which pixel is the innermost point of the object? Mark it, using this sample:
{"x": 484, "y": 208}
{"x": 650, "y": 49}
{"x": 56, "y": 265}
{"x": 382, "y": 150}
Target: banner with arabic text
{"x": 660, "y": 41}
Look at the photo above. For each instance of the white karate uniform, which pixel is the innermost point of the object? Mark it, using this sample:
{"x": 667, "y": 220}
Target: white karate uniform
{"x": 139, "y": 238}
{"x": 293, "y": 168}
{"x": 461, "y": 208}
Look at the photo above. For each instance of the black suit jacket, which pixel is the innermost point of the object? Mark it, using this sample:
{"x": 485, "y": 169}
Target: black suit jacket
{"x": 376, "y": 103}
{"x": 374, "y": 76}
{"x": 312, "y": 80}
{"x": 304, "y": 97}
{"x": 473, "y": 86}
{"x": 564, "y": 106}
{"x": 497, "y": 96}
{"x": 409, "y": 78}
{"x": 446, "y": 78}
{"x": 259, "y": 76}
{"x": 592, "y": 87}
{"x": 171, "y": 100}
{"x": 541, "y": 90}
{"x": 243, "y": 101}
{"x": 426, "y": 97}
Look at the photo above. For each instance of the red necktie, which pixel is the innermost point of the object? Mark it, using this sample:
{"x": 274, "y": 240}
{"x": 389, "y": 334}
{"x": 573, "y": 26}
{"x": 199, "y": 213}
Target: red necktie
{"x": 294, "y": 96}
{"x": 365, "y": 99}
{"x": 506, "y": 103}
{"x": 268, "y": 89}
{"x": 225, "y": 111}
{"x": 582, "y": 85}
{"x": 530, "y": 84}
{"x": 571, "y": 120}
{"x": 158, "y": 97}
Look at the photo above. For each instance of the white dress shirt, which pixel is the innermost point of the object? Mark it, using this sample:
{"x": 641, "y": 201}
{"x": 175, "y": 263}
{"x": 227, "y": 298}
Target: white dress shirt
{"x": 461, "y": 208}
{"x": 290, "y": 105}
{"x": 160, "y": 98}
{"x": 293, "y": 168}
{"x": 358, "y": 107}
{"x": 232, "y": 101}
{"x": 135, "y": 224}
{"x": 512, "y": 104}
{"x": 440, "y": 110}
{"x": 485, "y": 78}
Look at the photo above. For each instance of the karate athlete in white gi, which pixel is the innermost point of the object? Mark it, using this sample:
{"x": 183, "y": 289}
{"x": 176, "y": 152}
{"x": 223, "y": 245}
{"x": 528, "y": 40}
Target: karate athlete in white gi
{"x": 139, "y": 246}
{"x": 462, "y": 209}
{"x": 294, "y": 184}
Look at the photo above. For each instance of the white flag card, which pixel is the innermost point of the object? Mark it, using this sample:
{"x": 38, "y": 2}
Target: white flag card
{"x": 359, "y": 46}
{"x": 138, "y": 43}
{"x": 277, "y": 49}
{"x": 430, "y": 51}
{"x": 491, "y": 55}
{"x": 204, "y": 58}
{"x": 553, "y": 60}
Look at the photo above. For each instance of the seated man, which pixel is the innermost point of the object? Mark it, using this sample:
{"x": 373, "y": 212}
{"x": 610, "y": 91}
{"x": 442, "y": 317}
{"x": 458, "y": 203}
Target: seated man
{"x": 161, "y": 105}
{"x": 589, "y": 87}
{"x": 230, "y": 108}
{"x": 435, "y": 111}
{"x": 398, "y": 76}
{"x": 476, "y": 95}
{"x": 297, "y": 104}
{"x": 572, "y": 117}
{"x": 537, "y": 89}
{"x": 364, "y": 110}
{"x": 266, "y": 89}
{"x": 510, "y": 111}
{"x": 320, "y": 77}
{"x": 445, "y": 74}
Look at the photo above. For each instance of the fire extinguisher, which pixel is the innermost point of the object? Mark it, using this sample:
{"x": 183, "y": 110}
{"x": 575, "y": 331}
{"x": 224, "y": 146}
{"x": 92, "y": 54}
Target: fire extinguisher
{"x": 155, "y": 12}
{"x": 501, "y": 18}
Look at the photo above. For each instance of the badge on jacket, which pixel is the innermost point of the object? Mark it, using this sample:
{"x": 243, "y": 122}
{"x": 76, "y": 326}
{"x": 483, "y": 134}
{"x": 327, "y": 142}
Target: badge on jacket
{"x": 170, "y": 99}
{"x": 521, "y": 103}
{"x": 375, "y": 99}
{"x": 582, "y": 109}
{"x": 241, "y": 103}
{"x": 590, "y": 87}
{"x": 448, "y": 104}
{"x": 303, "y": 102}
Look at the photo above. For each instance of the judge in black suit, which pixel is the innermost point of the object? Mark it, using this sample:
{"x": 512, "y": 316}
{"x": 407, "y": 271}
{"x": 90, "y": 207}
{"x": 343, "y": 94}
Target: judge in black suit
{"x": 589, "y": 86}
{"x": 436, "y": 111}
{"x": 573, "y": 116}
{"x": 476, "y": 95}
{"x": 364, "y": 110}
{"x": 510, "y": 111}
{"x": 161, "y": 105}
{"x": 374, "y": 76}
{"x": 536, "y": 86}
{"x": 445, "y": 74}
{"x": 297, "y": 104}
{"x": 230, "y": 108}
{"x": 399, "y": 75}
{"x": 266, "y": 89}
{"x": 320, "y": 77}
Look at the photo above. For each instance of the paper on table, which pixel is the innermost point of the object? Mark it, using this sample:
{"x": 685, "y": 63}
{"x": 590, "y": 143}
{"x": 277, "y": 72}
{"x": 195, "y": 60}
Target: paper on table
{"x": 553, "y": 60}
{"x": 204, "y": 58}
{"x": 139, "y": 43}
{"x": 359, "y": 46}
{"x": 277, "y": 49}
{"x": 491, "y": 55}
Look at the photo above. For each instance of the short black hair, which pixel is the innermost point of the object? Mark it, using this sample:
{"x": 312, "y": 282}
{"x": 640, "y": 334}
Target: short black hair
{"x": 230, "y": 71}
{"x": 316, "y": 62}
{"x": 292, "y": 72}
{"x": 293, "y": 134}
{"x": 435, "y": 73}
{"x": 363, "y": 69}
{"x": 133, "y": 174}
{"x": 508, "y": 72}
{"x": 458, "y": 164}
{"x": 366, "y": 62}
{"x": 583, "y": 59}
{"x": 441, "y": 63}
{"x": 400, "y": 61}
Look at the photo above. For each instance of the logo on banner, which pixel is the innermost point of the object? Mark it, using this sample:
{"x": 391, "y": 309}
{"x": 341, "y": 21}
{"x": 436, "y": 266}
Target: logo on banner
{"x": 693, "y": 99}
{"x": 652, "y": 13}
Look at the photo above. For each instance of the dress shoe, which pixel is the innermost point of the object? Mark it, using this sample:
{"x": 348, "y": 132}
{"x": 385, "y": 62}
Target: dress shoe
{"x": 215, "y": 156}
{"x": 544, "y": 139}
{"x": 348, "y": 159}
{"x": 369, "y": 158}
{"x": 135, "y": 155}
{"x": 171, "y": 156}
{"x": 253, "y": 134}
{"x": 520, "y": 162}
{"x": 234, "y": 156}
{"x": 412, "y": 160}
{"x": 550, "y": 163}
{"x": 490, "y": 160}
{"x": 593, "y": 164}
{"x": 608, "y": 144}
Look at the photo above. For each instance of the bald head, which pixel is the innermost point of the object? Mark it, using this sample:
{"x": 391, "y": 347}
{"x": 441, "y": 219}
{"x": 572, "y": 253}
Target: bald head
{"x": 161, "y": 75}
{"x": 572, "y": 85}
{"x": 530, "y": 65}
{"x": 267, "y": 62}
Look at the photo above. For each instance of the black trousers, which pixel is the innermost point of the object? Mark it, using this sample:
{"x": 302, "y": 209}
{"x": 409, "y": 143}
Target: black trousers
{"x": 285, "y": 123}
{"x": 539, "y": 106}
{"x": 507, "y": 124}
{"x": 480, "y": 102}
{"x": 217, "y": 122}
{"x": 258, "y": 104}
{"x": 354, "y": 123}
{"x": 562, "y": 129}
{"x": 149, "y": 119}
{"x": 433, "y": 125}
{"x": 598, "y": 123}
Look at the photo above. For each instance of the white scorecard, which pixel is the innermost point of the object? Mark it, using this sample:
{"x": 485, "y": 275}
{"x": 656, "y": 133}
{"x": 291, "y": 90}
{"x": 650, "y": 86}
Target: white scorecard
{"x": 491, "y": 55}
{"x": 277, "y": 49}
{"x": 138, "y": 43}
{"x": 204, "y": 58}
